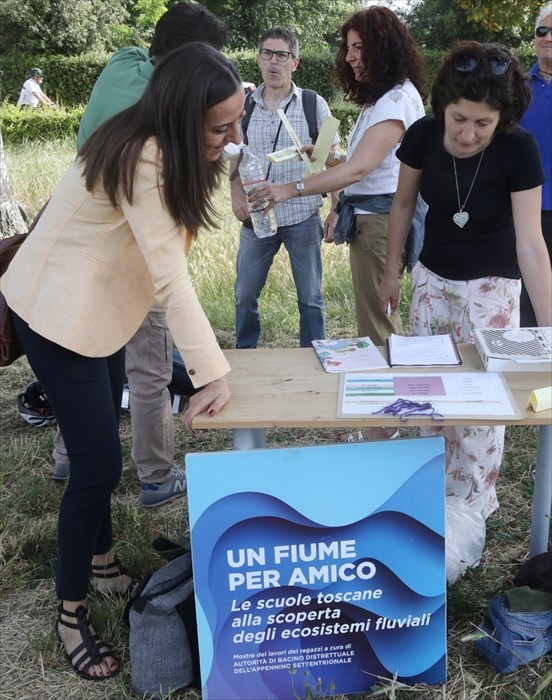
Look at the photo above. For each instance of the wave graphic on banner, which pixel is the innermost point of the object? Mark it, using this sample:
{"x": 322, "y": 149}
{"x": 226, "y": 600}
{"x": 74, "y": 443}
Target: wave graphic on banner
{"x": 348, "y": 604}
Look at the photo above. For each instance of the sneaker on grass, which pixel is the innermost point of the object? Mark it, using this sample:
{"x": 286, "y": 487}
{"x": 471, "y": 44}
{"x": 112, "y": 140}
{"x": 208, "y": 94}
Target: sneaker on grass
{"x": 61, "y": 471}
{"x": 153, "y": 495}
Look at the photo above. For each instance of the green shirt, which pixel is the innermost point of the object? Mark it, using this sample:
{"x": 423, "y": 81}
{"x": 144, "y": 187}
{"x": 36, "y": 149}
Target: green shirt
{"x": 120, "y": 85}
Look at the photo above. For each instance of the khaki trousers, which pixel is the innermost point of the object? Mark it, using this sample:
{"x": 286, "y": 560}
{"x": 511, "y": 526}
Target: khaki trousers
{"x": 148, "y": 364}
{"x": 367, "y": 259}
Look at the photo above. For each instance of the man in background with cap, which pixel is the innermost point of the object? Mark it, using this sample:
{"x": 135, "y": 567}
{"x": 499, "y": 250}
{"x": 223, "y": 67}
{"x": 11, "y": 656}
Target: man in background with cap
{"x": 31, "y": 92}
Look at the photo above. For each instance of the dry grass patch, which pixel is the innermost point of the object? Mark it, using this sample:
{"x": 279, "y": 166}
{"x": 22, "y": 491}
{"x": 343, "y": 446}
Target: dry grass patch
{"x": 31, "y": 661}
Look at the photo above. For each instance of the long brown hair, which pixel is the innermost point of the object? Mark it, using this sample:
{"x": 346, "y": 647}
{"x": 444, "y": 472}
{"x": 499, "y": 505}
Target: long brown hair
{"x": 172, "y": 109}
{"x": 389, "y": 56}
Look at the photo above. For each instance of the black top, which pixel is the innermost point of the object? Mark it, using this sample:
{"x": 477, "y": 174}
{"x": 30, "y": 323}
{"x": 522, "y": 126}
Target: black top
{"x": 486, "y": 245}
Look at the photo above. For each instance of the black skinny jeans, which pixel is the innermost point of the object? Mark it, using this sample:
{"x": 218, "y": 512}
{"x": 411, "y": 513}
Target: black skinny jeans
{"x": 85, "y": 393}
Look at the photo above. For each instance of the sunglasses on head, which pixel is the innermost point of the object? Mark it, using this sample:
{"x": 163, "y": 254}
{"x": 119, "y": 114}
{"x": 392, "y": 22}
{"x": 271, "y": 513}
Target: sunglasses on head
{"x": 542, "y": 31}
{"x": 466, "y": 62}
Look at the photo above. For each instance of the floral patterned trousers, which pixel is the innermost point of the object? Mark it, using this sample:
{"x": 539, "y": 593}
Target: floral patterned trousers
{"x": 473, "y": 453}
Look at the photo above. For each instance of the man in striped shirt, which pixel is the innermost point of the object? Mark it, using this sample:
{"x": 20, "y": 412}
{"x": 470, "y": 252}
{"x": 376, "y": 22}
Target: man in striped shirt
{"x": 299, "y": 225}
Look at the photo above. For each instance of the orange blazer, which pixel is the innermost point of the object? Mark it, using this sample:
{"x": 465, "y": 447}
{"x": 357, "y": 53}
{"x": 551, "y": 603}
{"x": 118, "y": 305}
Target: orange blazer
{"x": 88, "y": 274}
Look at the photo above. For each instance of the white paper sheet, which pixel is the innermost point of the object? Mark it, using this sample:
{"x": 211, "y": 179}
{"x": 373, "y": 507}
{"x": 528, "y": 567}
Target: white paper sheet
{"x": 422, "y": 351}
{"x": 451, "y": 394}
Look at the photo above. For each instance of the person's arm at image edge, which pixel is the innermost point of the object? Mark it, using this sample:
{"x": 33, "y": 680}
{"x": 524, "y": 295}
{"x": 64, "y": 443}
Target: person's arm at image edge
{"x": 532, "y": 254}
{"x": 400, "y": 218}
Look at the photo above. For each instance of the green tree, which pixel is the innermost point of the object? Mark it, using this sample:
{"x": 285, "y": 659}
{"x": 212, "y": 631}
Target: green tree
{"x": 314, "y": 21}
{"x": 438, "y": 24}
{"x": 496, "y": 15}
{"x": 54, "y": 27}
{"x": 138, "y": 28}
{"x": 147, "y": 12}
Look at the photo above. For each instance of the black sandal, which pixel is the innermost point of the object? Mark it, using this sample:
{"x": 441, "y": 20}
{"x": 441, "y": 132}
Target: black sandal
{"x": 89, "y": 653}
{"x": 114, "y": 570}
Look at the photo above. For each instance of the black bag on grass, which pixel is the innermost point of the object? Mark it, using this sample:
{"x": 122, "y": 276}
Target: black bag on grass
{"x": 163, "y": 645}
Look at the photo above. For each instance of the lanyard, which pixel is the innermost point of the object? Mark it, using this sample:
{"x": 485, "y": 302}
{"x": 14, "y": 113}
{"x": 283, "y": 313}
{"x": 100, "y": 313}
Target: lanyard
{"x": 276, "y": 139}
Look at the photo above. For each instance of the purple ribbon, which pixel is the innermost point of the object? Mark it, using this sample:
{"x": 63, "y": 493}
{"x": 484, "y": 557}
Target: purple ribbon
{"x": 406, "y": 409}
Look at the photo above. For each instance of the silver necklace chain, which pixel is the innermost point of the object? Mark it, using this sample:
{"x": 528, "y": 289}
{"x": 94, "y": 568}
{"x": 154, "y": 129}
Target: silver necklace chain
{"x": 461, "y": 217}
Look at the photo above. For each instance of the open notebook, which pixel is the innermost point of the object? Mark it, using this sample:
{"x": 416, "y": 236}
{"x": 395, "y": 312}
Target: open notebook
{"x": 422, "y": 351}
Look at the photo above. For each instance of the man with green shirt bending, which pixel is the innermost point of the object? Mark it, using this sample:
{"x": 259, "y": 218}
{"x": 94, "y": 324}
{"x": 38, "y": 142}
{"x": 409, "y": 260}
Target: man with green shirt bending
{"x": 149, "y": 352}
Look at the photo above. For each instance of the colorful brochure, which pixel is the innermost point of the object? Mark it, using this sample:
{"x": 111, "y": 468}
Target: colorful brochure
{"x": 349, "y": 355}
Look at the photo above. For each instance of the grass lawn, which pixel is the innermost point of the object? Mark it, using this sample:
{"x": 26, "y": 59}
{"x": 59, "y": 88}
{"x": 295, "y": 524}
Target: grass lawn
{"x": 32, "y": 665}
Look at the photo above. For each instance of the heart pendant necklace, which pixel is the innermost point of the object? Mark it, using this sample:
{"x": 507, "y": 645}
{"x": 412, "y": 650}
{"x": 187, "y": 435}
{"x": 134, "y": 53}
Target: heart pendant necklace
{"x": 462, "y": 217}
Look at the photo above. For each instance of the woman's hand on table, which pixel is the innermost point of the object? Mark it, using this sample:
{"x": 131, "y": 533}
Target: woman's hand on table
{"x": 210, "y": 399}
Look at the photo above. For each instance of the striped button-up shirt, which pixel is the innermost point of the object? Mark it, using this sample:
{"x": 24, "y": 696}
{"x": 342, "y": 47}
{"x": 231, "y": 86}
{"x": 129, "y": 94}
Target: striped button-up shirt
{"x": 261, "y": 137}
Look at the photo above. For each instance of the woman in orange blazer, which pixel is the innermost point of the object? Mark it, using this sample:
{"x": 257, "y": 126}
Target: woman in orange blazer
{"x": 112, "y": 242}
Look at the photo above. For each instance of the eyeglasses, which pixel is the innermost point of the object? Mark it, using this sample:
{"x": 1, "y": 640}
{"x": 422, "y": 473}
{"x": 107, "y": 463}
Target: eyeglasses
{"x": 281, "y": 56}
{"x": 541, "y": 32}
{"x": 466, "y": 62}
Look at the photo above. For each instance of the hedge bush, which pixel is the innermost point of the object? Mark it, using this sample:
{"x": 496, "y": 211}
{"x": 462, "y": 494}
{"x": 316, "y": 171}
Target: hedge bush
{"x": 41, "y": 124}
{"x": 69, "y": 81}
{"x": 44, "y": 123}
{"x": 347, "y": 114}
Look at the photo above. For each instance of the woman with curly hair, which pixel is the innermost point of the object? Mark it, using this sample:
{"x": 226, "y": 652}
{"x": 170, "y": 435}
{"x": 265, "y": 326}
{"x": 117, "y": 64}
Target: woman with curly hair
{"x": 378, "y": 68}
{"x": 481, "y": 176}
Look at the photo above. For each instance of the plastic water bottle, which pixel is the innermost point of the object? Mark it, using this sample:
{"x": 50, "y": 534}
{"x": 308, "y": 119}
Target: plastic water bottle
{"x": 252, "y": 176}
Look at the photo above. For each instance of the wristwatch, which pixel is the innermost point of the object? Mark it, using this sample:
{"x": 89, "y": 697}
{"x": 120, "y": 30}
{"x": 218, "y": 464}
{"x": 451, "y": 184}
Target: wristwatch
{"x": 300, "y": 186}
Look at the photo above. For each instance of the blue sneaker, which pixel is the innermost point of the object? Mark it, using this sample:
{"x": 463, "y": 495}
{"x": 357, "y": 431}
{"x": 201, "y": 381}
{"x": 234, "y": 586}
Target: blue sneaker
{"x": 154, "y": 495}
{"x": 61, "y": 471}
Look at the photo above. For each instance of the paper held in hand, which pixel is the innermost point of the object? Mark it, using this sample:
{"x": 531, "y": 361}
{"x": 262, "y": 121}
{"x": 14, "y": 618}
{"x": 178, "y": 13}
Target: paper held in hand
{"x": 422, "y": 351}
{"x": 324, "y": 142}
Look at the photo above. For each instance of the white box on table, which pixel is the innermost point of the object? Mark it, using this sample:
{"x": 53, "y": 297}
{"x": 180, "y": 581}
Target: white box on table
{"x": 515, "y": 349}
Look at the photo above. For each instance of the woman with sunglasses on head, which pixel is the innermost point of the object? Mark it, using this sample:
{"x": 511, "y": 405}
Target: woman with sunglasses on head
{"x": 481, "y": 176}
{"x": 111, "y": 242}
{"x": 538, "y": 120}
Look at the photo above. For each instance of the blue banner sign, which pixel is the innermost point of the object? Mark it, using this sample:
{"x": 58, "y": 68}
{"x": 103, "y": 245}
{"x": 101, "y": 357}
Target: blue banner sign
{"x": 319, "y": 565}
